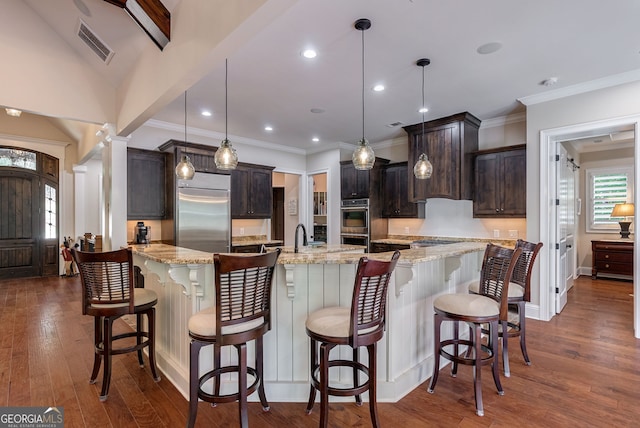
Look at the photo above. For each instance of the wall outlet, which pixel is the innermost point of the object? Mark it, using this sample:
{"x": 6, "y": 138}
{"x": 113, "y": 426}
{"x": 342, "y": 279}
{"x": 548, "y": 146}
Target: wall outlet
{"x": 496, "y": 233}
{"x": 242, "y": 231}
{"x": 513, "y": 233}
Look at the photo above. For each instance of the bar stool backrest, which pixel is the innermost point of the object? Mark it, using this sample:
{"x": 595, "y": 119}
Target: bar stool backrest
{"x": 368, "y": 304}
{"x": 107, "y": 282}
{"x": 243, "y": 289}
{"x": 497, "y": 268}
{"x": 524, "y": 266}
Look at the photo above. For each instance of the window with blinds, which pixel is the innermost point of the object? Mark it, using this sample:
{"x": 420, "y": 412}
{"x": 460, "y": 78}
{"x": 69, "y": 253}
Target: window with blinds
{"x": 608, "y": 187}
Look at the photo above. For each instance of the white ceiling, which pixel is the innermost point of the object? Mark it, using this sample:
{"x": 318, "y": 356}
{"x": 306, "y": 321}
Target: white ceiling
{"x": 270, "y": 83}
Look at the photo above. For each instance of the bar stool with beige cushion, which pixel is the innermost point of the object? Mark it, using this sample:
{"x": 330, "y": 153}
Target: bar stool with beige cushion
{"x": 242, "y": 313}
{"x": 108, "y": 293}
{"x": 489, "y": 307}
{"x": 361, "y": 324}
{"x": 519, "y": 295}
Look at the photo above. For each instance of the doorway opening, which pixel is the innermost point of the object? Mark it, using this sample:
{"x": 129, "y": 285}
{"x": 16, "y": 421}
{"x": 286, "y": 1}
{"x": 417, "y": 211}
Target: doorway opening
{"x": 549, "y": 183}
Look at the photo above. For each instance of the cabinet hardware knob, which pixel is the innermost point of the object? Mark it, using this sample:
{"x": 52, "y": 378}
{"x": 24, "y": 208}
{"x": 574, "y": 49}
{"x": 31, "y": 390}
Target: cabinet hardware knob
{"x": 606, "y": 265}
{"x": 606, "y": 256}
{"x": 497, "y": 210}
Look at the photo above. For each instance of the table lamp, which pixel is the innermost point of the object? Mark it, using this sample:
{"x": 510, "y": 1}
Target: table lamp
{"x": 623, "y": 210}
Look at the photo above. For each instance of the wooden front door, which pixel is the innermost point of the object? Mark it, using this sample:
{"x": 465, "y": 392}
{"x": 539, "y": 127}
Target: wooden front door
{"x": 29, "y": 242}
{"x": 19, "y": 225}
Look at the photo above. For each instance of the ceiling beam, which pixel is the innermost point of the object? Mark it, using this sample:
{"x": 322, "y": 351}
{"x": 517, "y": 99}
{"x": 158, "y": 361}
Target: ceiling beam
{"x": 152, "y": 17}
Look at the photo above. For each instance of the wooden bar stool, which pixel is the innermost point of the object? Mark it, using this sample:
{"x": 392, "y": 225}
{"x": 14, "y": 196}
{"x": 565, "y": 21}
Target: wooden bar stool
{"x": 489, "y": 306}
{"x": 107, "y": 294}
{"x": 362, "y": 324}
{"x": 519, "y": 295}
{"x": 242, "y": 313}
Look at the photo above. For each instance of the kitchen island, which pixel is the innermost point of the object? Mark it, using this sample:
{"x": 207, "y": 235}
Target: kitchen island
{"x": 304, "y": 282}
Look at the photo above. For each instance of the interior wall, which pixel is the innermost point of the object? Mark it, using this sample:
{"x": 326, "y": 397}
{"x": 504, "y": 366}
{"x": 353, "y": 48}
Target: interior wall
{"x": 591, "y": 107}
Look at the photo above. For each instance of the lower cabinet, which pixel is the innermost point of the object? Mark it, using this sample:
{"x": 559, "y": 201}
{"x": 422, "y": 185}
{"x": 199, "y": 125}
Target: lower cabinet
{"x": 501, "y": 182}
{"x": 612, "y": 257}
{"x": 378, "y": 247}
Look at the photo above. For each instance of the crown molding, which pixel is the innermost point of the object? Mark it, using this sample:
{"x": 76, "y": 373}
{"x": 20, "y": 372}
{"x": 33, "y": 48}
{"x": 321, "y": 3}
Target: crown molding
{"x": 503, "y": 120}
{"x": 580, "y": 88}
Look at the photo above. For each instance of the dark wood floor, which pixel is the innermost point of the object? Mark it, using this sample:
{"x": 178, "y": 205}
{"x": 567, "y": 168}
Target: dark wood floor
{"x": 585, "y": 372}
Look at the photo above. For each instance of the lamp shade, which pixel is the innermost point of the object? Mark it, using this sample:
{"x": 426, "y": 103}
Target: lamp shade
{"x": 623, "y": 210}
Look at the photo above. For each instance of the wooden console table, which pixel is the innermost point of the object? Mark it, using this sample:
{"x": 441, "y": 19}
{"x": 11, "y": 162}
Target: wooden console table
{"x": 612, "y": 257}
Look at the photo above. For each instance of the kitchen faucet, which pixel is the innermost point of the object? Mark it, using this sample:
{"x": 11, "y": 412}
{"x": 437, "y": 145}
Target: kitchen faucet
{"x": 304, "y": 237}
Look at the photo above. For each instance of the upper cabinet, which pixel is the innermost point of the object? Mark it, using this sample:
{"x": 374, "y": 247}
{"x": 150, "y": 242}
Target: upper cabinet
{"x": 448, "y": 142}
{"x": 395, "y": 194}
{"x": 501, "y": 182}
{"x": 360, "y": 184}
{"x": 251, "y": 193}
{"x": 200, "y": 155}
{"x": 146, "y": 184}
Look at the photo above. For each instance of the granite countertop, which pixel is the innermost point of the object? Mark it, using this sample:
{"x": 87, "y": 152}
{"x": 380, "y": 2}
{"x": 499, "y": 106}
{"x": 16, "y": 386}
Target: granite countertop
{"x": 332, "y": 254}
{"x": 408, "y": 239}
{"x": 168, "y": 254}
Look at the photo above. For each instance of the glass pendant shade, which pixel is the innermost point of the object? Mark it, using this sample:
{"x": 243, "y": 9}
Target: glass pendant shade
{"x": 226, "y": 156}
{"x": 363, "y": 157}
{"x": 185, "y": 169}
{"x": 423, "y": 168}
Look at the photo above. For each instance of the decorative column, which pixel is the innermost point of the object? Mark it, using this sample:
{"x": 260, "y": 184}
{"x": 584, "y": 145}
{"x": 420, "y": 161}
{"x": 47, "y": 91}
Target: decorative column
{"x": 114, "y": 167}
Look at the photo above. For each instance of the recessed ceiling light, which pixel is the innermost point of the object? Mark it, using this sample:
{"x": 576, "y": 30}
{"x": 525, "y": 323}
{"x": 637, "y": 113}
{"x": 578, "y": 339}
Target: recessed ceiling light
{"x": 423, "y": 110}
{"x": 206, "y": 113}
{"x": 489, "y": 48}
{"x": 309, "y": 53}
{"x": 317, "y": 110}
{"x": 268, "y": 128}
{"x": 379, "y": 87}
{"x": 315, "y": 139}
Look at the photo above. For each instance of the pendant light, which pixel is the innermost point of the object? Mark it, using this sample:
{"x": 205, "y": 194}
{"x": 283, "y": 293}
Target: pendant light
{"x": 226, "y": 157}
{"x": 185, "y": 169}
{"x": 423, "y": 168}
{"x": 363, "y": 157}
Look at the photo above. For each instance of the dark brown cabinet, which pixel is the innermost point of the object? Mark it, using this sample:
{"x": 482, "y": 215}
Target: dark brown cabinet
{"x": 146, "y": 184}
{"x": 449, "y": 143}
{"x": 395, "y": 194}
{"x": 612, "y": 257}
{"x": 501, "y": 182}
{"x": 200, "y": 155}
{"x": 360, "y": 184}
{"x": 378, "y": 247}
{"x": 251, "y": 193}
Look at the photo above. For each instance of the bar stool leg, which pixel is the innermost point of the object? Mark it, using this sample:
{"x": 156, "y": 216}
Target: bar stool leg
{"x": 504, "y": 325}
{"x": 373, "y": 408}
{"x": 356, "y": 376}
{"x": 324, "y": 384}
{"x": 521, "y": 326}
{"x": 314, "y": 364}
{"x": 194, "y": 381}
{"x": 139, "y": 338}
{"x": 259, "y": 370}
{"x": 151, "y": 319}
{"x": 477, "y": 368}
{"x": 493, "y": 344}
{"x": 456, "y": 348}
{"x": 436, "y": 357}
{"x": 242, "y": 384}
{"x": 107, "y": 334}
{"x": 97, "y": 348}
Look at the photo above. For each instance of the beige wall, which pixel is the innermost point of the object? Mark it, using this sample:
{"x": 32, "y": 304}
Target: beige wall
{"x": 615, "y": 102}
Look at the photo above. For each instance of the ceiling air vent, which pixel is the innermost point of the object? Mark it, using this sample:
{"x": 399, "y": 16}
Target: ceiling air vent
{"x": 394, "y": 124}
{"x": 94, "y": 42}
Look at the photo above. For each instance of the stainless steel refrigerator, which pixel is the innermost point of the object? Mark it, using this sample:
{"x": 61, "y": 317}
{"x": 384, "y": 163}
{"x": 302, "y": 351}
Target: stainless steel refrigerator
{"x": 203, "y": 213}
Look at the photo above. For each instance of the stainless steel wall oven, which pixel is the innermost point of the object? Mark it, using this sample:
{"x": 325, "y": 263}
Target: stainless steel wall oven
{"x": 355, "y": 222}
